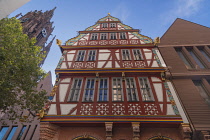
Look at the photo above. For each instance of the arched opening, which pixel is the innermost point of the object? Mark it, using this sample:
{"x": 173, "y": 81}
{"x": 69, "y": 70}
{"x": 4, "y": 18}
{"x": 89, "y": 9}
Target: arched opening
{"x": 85, "y": 137}
{"x": 160, "y": 138}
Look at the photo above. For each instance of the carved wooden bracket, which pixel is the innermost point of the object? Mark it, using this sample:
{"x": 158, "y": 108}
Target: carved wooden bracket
{"x": 205, "y": 135}
{"x": 136, "y": 130}
{"x": 185, "y": 131}
{"x": 108, "y": 126}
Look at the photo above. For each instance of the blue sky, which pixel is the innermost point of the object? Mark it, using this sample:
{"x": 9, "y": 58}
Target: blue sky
{"x": 152, "y": 17}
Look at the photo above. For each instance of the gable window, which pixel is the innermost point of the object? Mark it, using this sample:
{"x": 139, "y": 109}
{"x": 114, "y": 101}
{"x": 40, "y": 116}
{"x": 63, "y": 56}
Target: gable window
{"x": 75, "y": 90}
{"x": 80, "y": 55}
{"x": 94, "y": 36}
{"x": 137, "y": 54}
{"x": 125, "y": 55}
{"x": 122, "y": 35}
{"x": 117, "y": 89}
{"x": 131, "y": 89}
{"x": 113, "y": 36}
{"x": 197, "y": 60}
{"x": 145, "y": 89}
{"x": 112, "y": 25}
{"x": 103, "y": 36}
{"x": 103, "y": 89}
{"x": 89, "y": 90}
{"x": 104, "y": 25}
{"x": 91, "y": 55}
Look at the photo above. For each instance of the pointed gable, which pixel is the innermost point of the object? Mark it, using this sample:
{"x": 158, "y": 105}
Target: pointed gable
{"x": 109, "y": 25}
{"x": 184, "y": 32}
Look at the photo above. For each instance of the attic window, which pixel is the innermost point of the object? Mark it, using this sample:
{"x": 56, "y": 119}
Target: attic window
{"x": 104, "y": 25}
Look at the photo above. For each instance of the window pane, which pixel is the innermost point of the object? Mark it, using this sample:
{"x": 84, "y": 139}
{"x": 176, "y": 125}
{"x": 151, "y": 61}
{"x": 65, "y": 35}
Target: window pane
{"x": 21, "y": 133}
{"x": 137, "y": 54}
{"x": 75, "y": 90}
{"x": 205, "y": 54}
{"x": 89, "y": 90}
{"x": 125, "y": 55}
{"x": 184, "y": 59}
{"x": 103, "y": 90}
{"x": 3, "y": 132}
{"x": 80, "y": 55}
{"x": 131, "y": 89}
{"x": 197, "y": 60}
{"x": 145, "y": 89}
{"x": 91, "y": 55}
{"x": 12, "y": 132}
{"x": 117, "y": 89}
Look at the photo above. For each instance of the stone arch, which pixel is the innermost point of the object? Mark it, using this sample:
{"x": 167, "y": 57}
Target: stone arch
{"x": 160, "y": 138}
{"x": 85, "y": 137}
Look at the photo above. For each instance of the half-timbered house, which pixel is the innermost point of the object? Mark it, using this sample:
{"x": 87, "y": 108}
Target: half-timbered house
{"x": 111, "y": 84}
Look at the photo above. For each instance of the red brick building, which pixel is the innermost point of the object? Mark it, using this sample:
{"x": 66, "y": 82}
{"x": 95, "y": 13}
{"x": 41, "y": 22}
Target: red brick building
{"x": 185, "y": 49}
{"x": 111, "y": 86}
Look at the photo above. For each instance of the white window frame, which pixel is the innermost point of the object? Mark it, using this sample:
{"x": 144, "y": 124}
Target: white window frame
{"x": 103, "y": 89}
{"x": 112, "y": 25}
{"x": 137, "y": 54}
{"x": 81, "y": 55}
{"x": 104, "y": 25}
{"x": 131, "y": 88}
{"x": 120, "y": 89}
{"x": 126, "y": 54}
{"x": 89, "y": 89}
{"x": 145, "y": 88}
{"x": 75, "y": 90}
{"x": 113, "y": 36}
{"x": 122, "y": 35}
{"x": 94, "y": 36}
{"x": 103, "y": 36}
{"x": 91, "y": 55}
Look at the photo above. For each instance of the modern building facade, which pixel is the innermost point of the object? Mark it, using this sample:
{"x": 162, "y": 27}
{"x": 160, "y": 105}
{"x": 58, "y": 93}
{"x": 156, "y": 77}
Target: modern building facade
{"x": 185, "y": 49}
{"x": 111, "y": 86}
{"x": 35, "y": 24}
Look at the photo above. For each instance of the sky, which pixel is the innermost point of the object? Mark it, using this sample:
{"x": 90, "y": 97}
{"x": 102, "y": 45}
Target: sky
{"x": 152, "y": 17}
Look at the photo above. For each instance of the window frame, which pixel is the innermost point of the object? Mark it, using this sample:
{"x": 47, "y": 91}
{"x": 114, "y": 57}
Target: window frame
{"x": 112, "y": 25}
{"x": 94, "y": 36}
{"x": 89, "y": 89}
{"x": 130, "y": 88}
{"x": 127, "y": 55}
{"x": 123, "y": 35}
{"x": 104, "y": 25}
{"x": 74, "y": 89}
{"x": 80, "y": 57}
{"x": 188, "y": 64}
{"x": 150, "y": 90}
{"x": 92, "y": 56}
{"x": 103, "y": 89}
{"x": 113, "y": 36}
{"x": 121, "y": 89}
{"x": 103, "y": 36}
{"x": 139, "y": 55}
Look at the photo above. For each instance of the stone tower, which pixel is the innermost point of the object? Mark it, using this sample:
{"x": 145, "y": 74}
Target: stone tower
{"x": 37, "y": 24}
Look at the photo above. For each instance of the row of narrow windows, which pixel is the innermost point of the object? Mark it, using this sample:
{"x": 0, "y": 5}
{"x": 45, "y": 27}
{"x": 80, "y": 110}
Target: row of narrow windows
{"x": 126, "y": 55}
{"x": 4, "y": 134}
{"x": 194, "y": 55}
{"x": 105, "y": 36}
{"x": 117, "y": 89}
{"x": 110, "y": 25}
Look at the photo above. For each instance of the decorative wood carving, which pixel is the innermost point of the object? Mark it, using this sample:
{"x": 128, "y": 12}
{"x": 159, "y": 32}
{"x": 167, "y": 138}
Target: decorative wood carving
{"x": 185, "y": 131}
{"x": 108, "y": 126}
{"x": 136, "y": 130}
{"x": 48, "y": 131}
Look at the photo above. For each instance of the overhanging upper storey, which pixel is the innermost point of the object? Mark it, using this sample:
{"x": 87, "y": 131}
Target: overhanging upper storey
{"x": 108, "y": 31}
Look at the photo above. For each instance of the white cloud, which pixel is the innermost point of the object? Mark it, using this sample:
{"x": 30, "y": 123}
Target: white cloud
{"x": 182, "y": 9}
{"x": 121, "y": 12}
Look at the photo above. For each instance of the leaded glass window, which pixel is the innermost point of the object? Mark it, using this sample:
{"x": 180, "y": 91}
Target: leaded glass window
{"x": 91, "y": 55}
{"x": 117, "y": 89}
{"x": 103, "y": 89}
{"x": 125, "y": 55}
{"x": 80, "y": 55}
{"x": 89, "y": 90}
{"x": 145, "y": 89}
{"x": 131, "y": 89}
{"x": 75, "y": 90}
{"x": 137, "y": 54}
